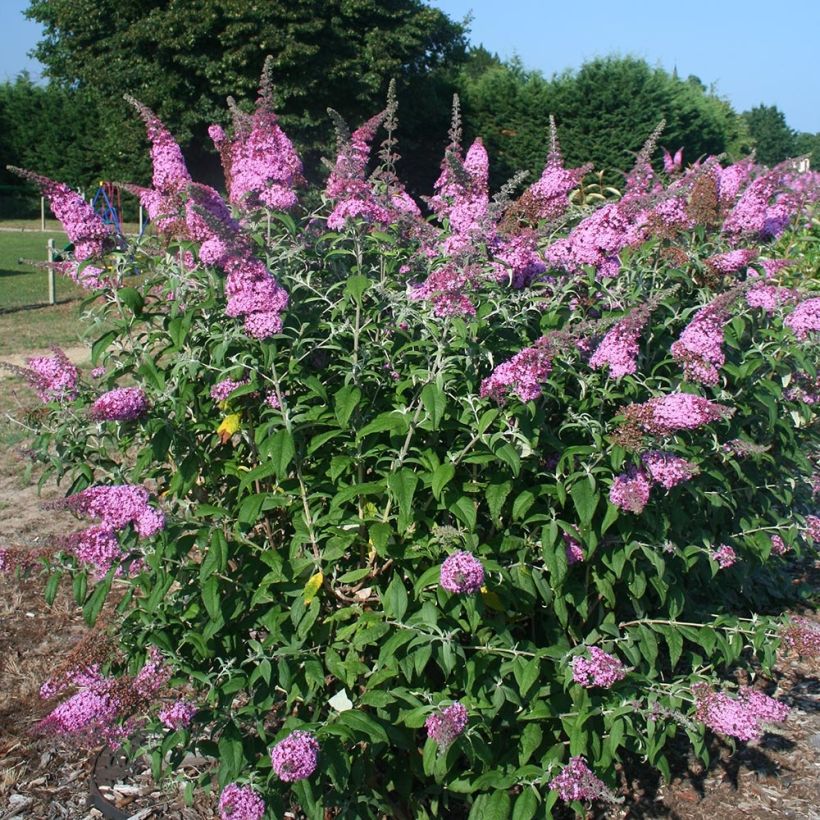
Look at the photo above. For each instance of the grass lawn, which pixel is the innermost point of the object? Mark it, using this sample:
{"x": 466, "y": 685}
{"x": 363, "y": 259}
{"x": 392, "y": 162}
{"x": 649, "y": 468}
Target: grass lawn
{"x": 21, "y": 284}
{"x": 37, "y": 328}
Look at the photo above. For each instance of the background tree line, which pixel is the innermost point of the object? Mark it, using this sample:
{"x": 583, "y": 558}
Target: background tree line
{"x": 183, "y": 57}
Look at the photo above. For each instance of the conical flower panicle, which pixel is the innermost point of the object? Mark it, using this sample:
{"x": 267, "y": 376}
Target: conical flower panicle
{"x": 170, "y": 172}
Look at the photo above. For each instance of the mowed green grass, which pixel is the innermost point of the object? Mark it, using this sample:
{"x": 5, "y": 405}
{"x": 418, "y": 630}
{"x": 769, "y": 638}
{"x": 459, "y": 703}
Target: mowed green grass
{"x": 27, "y": 322}
{"x": 20, "y": 283}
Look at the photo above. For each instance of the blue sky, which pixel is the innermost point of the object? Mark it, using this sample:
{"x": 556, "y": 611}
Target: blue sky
{"x": 751, "y": 51}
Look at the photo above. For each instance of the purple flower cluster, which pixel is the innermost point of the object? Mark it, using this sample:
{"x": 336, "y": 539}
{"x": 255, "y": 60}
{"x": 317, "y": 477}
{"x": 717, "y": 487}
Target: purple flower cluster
{"x": 597, "y": 241}
{"x": 667, "y": 469}
{"x": 619, "y": 348}
{"x": 53, "y": 377}
{"x": 739, "y": 717}
{"x": 295, "y": 757}
{"x": 779, "y": 546}
{"x": 630, "y": 490}
{"x": 574, "y": 551}
{"x": 751, "y": 213}
{"x": 725, "y": 556}
{"x": 221, "y": 391}
{"x": 117, "y": 506}
{"x": 577, "y": 782}
{"x": 92, "y": 709}
{"x": 170, "y": 172}
{"x": 599, "y": 669}
{"x": 517, "y": 261}
{"x": 549, "y": 195}
{"x": 665, "y": 415}
{"x": 198, "y": 212}
{"x": 240, "y": 803}
{"x": 445, "y": 725}
{"x": 178, "y": 715}
{"x": 524, "y": 373}
{"x": 462, "y": 573}
{"x": 768, "y": 297}
{"x": 805, "y": 318}
{"x": 813, "y": 528}
{"x": 120, "y": 404}
{"x": 260, "y": 163}
{"x": 348, "y": 185}
{"x": 700, "y": 346}
{"x": 467, "y": 207}
{"x": 98, "y": 702}
{"x": 96, "y": 546}
{"x": 731, "y": 261}
{"x": 84, "y": 227}
{"x": 445, "y": 289}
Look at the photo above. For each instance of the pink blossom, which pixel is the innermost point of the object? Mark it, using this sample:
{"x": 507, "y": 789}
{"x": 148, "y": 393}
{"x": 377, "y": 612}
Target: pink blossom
{"x": 725, "y": 556}
{"x": 447, "y": 724}
{"x": 667, "y": 469}
{"x": 768, "y": 297}
{"x": 599, "y": 669}
{"x": 524, "y": 373}
{"x": 446, "y": 288}
{"x": 630, "y": 490}
{"x": 295, "y": 757}
{"x": 574, "y": 551}
{"x": 739, "y": 717}
{"x": 178, "y": 715}
{"x": 517, "y": 260}
{"x": 462, "y": 573}
{"x": 619, "y": 350}
{"x": 664, "y": 415}
{"x": 54, "y": 377}
{"x": 117, "y": 506}
{"x": 550, "y": 194}
{"x": 240, "y": 803}
{"x": 779, "y": 546}
{"x": 731, "y": 261}
{"x": 97, "y": 546}
{"x": 222, "y": 391}
{"x": 577, "y": 782}
{"x": 805, "y": 318}
{"x": 121, "y": 404}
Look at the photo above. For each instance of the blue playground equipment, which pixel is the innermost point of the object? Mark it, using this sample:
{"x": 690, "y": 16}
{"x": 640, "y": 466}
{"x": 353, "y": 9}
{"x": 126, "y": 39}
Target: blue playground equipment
{"x": 108, "y": 204}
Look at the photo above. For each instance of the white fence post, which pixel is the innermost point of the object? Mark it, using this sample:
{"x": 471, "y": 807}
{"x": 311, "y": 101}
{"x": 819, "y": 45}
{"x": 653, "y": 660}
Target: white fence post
{"x": 141, "y": 219}
{"x": 52, "y": 275}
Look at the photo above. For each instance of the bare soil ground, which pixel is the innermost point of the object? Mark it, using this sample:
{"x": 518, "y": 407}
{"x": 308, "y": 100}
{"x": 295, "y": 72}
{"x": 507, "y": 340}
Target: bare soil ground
{"x": 42, "y": 778}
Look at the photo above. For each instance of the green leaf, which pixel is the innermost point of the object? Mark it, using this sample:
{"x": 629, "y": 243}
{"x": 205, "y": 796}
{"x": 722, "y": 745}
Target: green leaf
{"x": 435, "y": 403}
{"x": 442, "y": 476}
{"x": 526, "y": 805}
{"x": 282, "y": 452}
{"x": 364, "y": 724}
{"x": 585, "y": 500}
{"x": 496, "y": 495}
{"x": 211, "y": 598}
{"x": 495, "y": 806}
{"x": 132, "y": 298}
{"x": 509, "y": 455}
{"x": 392, "y": 421}
{"x": 463, "y": 508}
{"x": 355, "y": 287}
{"x": 402, "y": 485}
{"x": 530, "y": 740}
{"x": 394, "y": 599}
{"x": 345, "y": 402}
{"x": 522, "y": 504}
{"x": 379, "y": 536}
{"x": 99, "y": 347}
{"x": 93, "y": 606}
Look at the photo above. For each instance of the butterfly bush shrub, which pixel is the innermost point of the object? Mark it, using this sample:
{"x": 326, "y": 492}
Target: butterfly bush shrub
{"x": 433, "y": 517}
